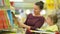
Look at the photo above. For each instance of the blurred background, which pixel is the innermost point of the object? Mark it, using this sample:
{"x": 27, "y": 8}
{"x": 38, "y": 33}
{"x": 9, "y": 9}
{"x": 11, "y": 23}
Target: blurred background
{"x": 24, "y": 7}
{"x": 21, "y": 8}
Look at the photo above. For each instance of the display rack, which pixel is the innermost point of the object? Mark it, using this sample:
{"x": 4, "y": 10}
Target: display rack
{"x": 6, "y": 19}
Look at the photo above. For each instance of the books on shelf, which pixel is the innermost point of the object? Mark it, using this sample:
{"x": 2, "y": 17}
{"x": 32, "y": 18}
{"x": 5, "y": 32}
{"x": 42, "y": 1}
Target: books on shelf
{"x": 7, "y": 3}
{"x": 6, "y": 19}
{"x": 3, "y": 24}
{"x": 1, "y": 3}
{"x": 10, "y": 17}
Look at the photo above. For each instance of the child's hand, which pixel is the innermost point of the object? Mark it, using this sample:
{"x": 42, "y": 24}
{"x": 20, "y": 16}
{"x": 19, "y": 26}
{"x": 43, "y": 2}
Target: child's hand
{"x": 28, "y": 27}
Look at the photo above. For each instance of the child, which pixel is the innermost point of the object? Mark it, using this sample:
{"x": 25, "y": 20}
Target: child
{"x": 51, "y": 21}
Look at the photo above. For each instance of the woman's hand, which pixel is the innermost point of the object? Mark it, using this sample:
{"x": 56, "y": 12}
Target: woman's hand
{"x": 25, "y": 26}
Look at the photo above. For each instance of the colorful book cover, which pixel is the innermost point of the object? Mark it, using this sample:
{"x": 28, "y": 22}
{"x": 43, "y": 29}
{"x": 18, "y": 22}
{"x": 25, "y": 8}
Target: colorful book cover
{"x": 10, "y": 17}
{"x": 3, "y": 24}
{"x": 7, "y": 3}
{"x": 7, "y": 19}
{"x": 1, "y": 3}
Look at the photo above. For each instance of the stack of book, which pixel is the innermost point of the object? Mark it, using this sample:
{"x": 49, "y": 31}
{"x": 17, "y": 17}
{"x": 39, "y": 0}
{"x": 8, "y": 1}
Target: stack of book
{"x": 6, "y": 19}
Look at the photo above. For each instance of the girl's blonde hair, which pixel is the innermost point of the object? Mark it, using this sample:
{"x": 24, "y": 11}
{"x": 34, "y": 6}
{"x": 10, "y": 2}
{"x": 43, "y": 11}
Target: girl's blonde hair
{"x": 53, "y": 18}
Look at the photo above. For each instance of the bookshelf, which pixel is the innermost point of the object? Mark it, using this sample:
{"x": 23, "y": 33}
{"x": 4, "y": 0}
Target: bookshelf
{"x": 6, "y": 19}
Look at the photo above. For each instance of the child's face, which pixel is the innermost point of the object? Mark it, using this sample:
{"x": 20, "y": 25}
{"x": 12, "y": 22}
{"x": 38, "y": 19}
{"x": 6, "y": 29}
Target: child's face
{"x": 49, "y": 21}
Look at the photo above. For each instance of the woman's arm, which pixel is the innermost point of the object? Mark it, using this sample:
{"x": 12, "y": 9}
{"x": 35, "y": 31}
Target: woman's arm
{"x": 21, "y": 24}
{"x": 18, "y": 23}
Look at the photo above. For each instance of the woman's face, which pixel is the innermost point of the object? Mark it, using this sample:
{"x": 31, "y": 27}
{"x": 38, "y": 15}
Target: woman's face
{"x": 36, "y": 9}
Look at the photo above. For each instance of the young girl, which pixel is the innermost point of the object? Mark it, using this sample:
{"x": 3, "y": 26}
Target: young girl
{"x": 51, "y": 21}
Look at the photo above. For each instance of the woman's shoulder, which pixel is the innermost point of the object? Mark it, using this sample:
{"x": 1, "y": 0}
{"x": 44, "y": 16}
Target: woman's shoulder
{"x": 29, "y": 15}
{"x": 42, "y": 17}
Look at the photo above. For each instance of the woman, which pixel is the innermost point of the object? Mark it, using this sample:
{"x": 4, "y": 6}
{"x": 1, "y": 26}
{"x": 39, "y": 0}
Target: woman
{"x": 35, "y": 20}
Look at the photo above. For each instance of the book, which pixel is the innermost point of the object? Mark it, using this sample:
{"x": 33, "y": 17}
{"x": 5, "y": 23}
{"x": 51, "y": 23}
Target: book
{"x": 3, "y": 24}
{"x": 7, "y": 3}
{"x": 7, "y": 19}
{"x": 1, "y": 3}
{"x": 10, "y": 17}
